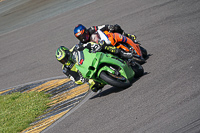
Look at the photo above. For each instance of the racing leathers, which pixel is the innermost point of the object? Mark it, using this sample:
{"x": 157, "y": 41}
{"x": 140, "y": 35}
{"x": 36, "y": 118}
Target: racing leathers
{"x": 111, "y": 28}
{"x": 108, "y": 47}
{"x": 70, "y": 70}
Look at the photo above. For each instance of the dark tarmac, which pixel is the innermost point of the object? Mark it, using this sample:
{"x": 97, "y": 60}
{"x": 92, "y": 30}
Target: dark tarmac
{"x": 165, "y": 100}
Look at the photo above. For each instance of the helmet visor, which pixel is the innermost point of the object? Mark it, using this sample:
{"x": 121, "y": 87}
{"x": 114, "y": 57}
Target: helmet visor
{"x": 84, "y": 37}
{"x": 64, "y": 60}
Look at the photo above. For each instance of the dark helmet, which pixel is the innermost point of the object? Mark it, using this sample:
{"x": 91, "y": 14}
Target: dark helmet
{"x": 63, "y": 54}
{"x": 81, "y": 33}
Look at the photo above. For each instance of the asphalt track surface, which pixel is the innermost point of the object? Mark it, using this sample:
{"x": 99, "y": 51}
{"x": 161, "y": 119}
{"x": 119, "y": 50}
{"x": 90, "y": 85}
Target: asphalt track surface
{"x": 165, "y": 100}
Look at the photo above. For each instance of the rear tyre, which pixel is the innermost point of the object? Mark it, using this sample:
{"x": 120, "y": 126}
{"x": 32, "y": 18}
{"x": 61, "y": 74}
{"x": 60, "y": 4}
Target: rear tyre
{"x": 144, "y": 52}
{"x": 138, "y": 69}
{"x": 114, "y": 80}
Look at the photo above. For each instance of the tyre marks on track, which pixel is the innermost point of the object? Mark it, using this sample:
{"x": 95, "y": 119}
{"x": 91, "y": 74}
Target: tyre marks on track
{"x": 65, "y": 96}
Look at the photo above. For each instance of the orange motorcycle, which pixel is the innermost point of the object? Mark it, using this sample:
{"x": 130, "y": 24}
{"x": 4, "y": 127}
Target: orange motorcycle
{"x": 122, "y": 42}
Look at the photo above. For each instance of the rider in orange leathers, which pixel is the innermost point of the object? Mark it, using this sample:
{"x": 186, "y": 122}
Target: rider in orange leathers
{"x": 117, "y": 40}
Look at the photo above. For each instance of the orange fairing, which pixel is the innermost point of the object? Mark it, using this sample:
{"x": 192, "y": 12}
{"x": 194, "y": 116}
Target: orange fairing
{"x": 118, "y": 38}
{"x": 135, "y": 46}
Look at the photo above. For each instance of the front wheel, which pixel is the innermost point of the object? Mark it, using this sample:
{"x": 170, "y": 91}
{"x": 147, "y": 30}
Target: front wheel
{"x": 115, "y": 80}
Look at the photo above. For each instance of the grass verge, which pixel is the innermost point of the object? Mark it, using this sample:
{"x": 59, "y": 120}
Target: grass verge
{"x": 18, "y": 110}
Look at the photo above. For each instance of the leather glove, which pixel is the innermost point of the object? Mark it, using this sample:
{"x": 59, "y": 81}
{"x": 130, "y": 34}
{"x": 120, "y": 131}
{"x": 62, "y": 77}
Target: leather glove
{"x": 101, "y": 42}
{"x": 96, "y": 48}
{"x": 80, "y": 48}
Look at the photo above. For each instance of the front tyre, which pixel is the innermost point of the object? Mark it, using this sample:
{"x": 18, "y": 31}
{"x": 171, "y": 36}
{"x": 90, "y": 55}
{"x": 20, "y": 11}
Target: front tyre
{"x": 114, "y": 80}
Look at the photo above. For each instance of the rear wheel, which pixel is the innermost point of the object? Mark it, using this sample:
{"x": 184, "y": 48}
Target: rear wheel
{"x": 138, "y": 69}
{"x": 144, "y": 52}
{"x": 115, "y": 80}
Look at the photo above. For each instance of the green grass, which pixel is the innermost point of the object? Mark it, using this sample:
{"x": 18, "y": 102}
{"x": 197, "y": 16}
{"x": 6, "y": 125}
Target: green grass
{"x": 18, "y": 110}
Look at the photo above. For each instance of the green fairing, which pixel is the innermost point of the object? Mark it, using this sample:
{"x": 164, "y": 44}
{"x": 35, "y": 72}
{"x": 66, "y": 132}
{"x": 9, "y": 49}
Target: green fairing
{"x": 95, "y": 63}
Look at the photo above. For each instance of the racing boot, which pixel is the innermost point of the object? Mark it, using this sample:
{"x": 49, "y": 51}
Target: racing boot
{"x": 95, "y": 86}
{"x": 118, "y": 52}
{"x": 94, "y": 89}
{"x": 132, "y": 37}
{"x": 124, "y": 55}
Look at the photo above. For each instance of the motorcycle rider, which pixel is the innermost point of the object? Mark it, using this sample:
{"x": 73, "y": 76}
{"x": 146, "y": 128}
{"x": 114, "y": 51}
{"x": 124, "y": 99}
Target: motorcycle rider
{"x": 83, "y": 35}
{"x": 115, "y": 38}
{"x": 70, "y": 57}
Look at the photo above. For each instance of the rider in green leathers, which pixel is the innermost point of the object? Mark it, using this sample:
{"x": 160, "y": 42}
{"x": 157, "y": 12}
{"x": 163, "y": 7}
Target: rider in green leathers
{"x": 70, "y": 57}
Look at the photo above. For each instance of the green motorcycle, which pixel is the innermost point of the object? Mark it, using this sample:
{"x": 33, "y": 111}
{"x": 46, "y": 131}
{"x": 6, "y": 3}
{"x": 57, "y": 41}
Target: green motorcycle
{"x": 108, "y": 69}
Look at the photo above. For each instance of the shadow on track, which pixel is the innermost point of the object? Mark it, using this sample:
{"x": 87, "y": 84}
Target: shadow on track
{"x": 114, "y": 89}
